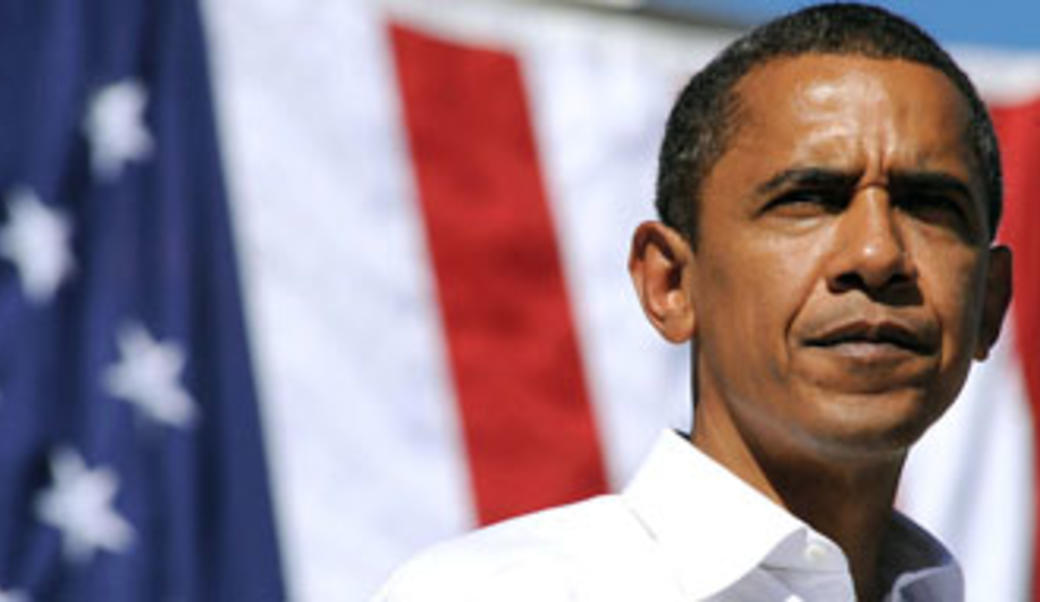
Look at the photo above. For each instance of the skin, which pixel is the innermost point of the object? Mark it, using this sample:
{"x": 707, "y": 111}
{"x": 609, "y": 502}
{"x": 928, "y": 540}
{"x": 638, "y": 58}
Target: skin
{"x": 841, "y": 284}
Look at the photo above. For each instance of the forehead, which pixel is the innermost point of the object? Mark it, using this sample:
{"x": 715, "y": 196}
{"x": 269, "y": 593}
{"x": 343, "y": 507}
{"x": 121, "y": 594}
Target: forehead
{"x": 851, "y": 111}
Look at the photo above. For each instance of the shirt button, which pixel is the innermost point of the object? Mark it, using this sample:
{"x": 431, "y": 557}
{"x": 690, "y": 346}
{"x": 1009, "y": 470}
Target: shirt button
{"x": 815, "y": 553}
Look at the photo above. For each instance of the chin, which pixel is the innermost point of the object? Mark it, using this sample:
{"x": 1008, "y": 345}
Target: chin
{"x": 882, "y": 425}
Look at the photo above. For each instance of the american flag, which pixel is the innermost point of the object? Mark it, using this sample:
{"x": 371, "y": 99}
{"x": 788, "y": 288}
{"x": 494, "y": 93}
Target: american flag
{"x": 429, "y": 206}
{"x": 131, "y": 462}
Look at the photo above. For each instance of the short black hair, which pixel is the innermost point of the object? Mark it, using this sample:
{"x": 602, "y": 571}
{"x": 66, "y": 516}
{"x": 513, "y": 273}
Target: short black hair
{"x": 705, "y": 115}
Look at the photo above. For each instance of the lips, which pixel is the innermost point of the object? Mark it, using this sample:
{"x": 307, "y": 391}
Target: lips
{"x": 917, "y": 339}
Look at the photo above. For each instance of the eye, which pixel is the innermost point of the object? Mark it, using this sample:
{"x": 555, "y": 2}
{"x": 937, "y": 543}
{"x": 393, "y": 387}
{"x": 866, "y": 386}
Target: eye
{"x": 938, "y": 209}
{"x": 807, "y": 202}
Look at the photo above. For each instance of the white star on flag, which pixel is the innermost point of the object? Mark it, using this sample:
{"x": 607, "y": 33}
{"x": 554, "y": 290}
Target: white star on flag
{"x": 36, "y": 240}
{"x": 115, "y": 128}
{"x": 148, "y": 376}
{"x": 79, "y": 504}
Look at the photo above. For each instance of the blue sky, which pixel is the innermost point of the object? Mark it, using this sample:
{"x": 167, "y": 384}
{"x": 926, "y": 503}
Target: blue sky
{"x": 1011, "y": 24}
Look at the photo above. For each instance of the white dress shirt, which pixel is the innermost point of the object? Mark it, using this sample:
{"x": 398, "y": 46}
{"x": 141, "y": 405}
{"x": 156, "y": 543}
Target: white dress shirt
{"x": 685, "y": 529}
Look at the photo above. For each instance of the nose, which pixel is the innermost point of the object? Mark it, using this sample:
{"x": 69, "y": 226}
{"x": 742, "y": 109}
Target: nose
{"x": 870, "y": 253}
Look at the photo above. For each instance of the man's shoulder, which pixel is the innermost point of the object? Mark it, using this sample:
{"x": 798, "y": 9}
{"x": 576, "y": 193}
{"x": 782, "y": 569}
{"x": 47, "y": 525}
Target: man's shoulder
{"x": 547, "y": 555}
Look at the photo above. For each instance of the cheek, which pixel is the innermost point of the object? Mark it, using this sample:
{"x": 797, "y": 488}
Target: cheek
{"x": 953, "y": 283}
{"x": 750, "y": 297}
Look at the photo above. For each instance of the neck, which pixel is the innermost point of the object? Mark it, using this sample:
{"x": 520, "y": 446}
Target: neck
{"x": 848, "y": 500}
{"x": 853, "y": 508}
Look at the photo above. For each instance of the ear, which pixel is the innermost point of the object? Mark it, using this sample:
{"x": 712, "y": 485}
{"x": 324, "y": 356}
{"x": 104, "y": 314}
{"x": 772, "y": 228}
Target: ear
{"x": 997, "y": 298}
{"x": 660, "y": 264}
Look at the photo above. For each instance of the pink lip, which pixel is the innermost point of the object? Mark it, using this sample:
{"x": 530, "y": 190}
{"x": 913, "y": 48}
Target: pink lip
{"x": 869, "y": 351}
{"x": 874, "y": 339}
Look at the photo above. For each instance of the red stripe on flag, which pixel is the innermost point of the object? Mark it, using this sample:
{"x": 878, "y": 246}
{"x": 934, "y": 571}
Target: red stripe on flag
{"x": 527, "y": 422}
{"x": 1019, "y": 130}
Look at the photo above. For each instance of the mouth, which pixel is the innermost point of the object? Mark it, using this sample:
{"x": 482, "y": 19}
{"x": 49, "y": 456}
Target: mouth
{"x": 865, "y": 338}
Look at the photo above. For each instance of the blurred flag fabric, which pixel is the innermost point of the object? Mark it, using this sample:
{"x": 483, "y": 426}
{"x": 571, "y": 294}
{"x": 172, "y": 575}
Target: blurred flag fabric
{"x": 430, "y": 205}
{"x": 433, "y": 203}
{"x": 131, "y": 458}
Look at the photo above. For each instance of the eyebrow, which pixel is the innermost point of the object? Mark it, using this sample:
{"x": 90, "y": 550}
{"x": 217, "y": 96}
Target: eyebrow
{"x": 930, "y": 181}
{"x": 902, "y": 180}
{"x": 816, "y": 177}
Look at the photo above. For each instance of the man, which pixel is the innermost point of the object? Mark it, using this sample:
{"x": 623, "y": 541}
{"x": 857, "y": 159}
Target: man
{"x": 829, "y": 188}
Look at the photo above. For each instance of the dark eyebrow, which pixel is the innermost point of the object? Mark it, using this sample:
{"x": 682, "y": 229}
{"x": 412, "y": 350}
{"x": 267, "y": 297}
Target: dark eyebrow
{"x": 926, "y": 181}
{"x": 931, "y": 182}
{"x": 814, "y": 177}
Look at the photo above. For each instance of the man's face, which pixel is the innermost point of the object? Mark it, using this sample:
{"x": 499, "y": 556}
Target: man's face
{"x": 840, "y": 270}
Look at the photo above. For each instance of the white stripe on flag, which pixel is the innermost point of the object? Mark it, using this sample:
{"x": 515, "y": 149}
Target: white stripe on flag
{"x": 600, "y": 164}
{"x": 970, "y": 478}
{"x": 359, "y": 417}
{"x": 1002, "y": 77}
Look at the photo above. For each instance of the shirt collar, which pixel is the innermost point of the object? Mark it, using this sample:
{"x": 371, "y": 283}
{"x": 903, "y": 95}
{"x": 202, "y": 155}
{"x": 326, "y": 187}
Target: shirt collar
{"x": 918, "y": 565}
{"x": 695, "y": 510}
